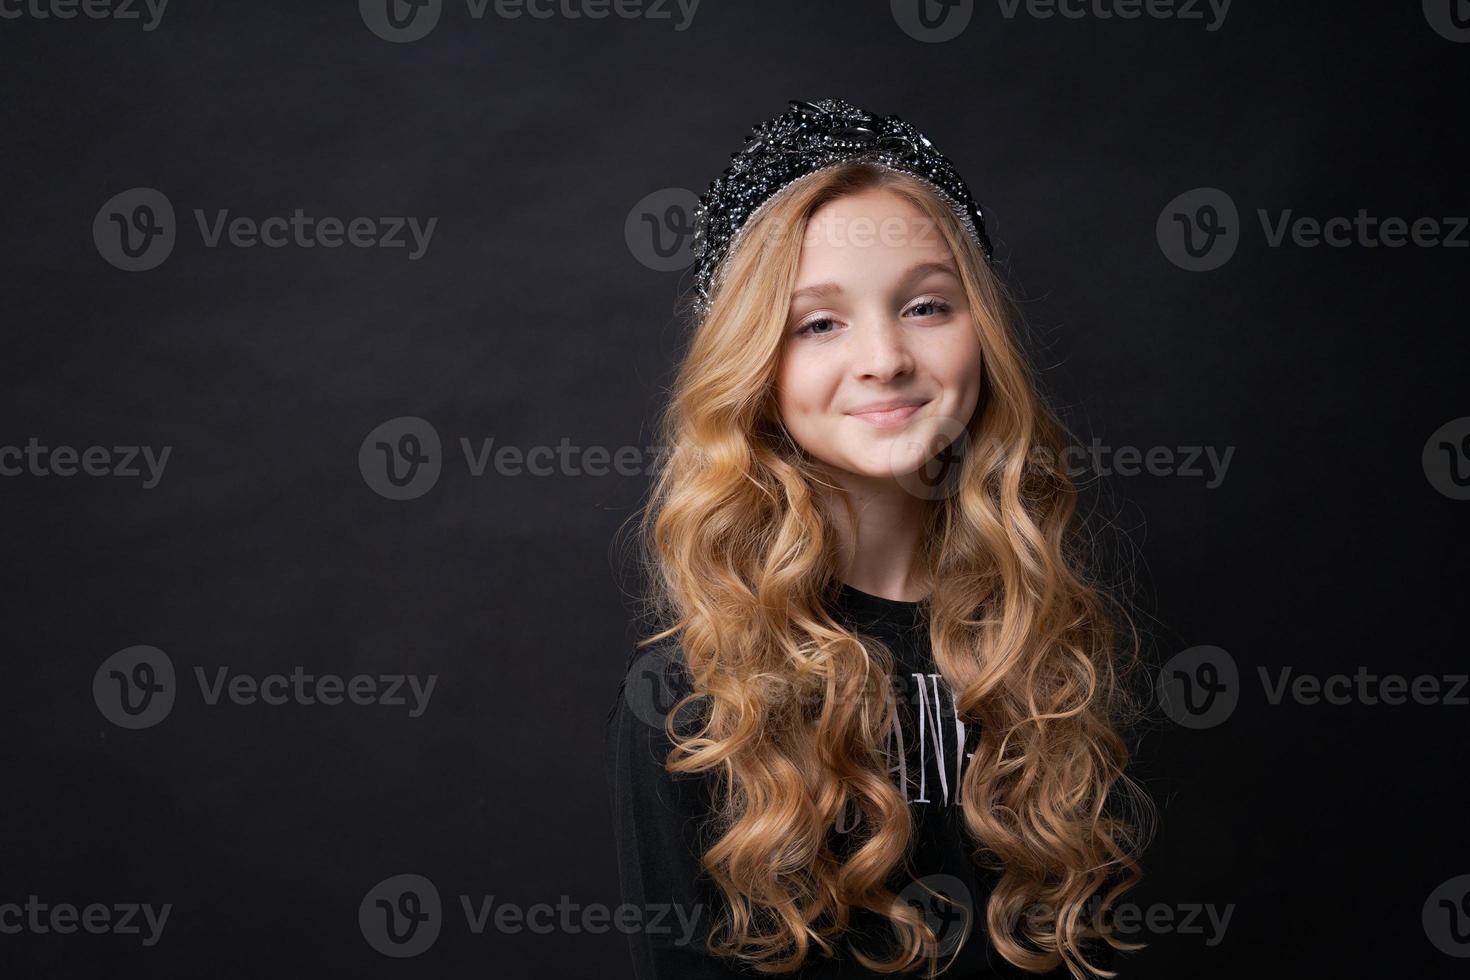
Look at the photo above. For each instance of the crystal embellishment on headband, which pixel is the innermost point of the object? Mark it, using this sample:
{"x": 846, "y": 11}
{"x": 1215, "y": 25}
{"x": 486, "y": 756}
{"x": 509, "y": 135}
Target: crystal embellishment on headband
{"x": 808, "y": 137}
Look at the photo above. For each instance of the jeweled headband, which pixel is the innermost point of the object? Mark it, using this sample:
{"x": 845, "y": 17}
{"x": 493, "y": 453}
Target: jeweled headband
{"x": 808, "y": 137}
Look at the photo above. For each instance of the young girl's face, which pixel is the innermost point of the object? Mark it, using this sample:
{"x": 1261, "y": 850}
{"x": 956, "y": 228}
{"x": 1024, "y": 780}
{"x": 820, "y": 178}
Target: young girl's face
{"x": 878, "y": 317}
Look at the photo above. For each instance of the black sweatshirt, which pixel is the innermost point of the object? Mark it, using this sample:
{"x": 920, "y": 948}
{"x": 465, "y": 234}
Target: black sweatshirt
{"x": 658, "y": 817}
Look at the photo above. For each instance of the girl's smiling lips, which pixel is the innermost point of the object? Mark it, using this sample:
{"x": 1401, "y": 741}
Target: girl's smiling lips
{"x": 886, "y": 414}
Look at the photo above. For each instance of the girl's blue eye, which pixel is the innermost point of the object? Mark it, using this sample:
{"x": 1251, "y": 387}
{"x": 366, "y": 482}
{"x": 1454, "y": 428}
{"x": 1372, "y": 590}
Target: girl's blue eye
{"x": 939, "y": 305}
{"x": 807, "y": 327}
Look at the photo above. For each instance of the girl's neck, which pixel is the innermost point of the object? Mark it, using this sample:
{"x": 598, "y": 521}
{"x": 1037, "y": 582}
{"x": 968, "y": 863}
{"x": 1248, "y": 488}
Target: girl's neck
{"x": 878, "y": 556}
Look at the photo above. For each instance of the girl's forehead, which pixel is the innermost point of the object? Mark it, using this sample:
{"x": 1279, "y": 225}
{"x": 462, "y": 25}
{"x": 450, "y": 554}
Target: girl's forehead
{"x": 859, "y": 250}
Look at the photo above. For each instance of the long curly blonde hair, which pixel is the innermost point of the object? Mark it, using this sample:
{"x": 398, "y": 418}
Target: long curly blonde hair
{"x": 738, "y": 556}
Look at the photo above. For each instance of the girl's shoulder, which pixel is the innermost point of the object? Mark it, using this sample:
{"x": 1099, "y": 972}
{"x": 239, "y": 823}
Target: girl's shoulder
{"x": 654, "y": 679}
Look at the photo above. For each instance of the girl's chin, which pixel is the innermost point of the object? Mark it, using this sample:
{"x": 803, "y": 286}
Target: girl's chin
{"x": 882, "y": 466}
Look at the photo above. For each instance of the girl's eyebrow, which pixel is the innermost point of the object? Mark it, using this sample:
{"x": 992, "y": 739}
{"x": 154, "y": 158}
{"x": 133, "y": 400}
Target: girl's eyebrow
{"x": 917, "y": 272}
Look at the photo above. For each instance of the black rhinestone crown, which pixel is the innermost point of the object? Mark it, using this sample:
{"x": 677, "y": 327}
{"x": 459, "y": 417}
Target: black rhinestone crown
{"x": 808, "y": 137}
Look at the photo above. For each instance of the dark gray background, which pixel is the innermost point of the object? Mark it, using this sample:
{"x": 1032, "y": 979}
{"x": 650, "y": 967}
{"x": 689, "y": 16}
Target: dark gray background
{"x": 530, "y": 320}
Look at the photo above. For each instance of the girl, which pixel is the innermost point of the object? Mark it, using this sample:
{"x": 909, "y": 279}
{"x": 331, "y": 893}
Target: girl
{"x": 877, "y": 724}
